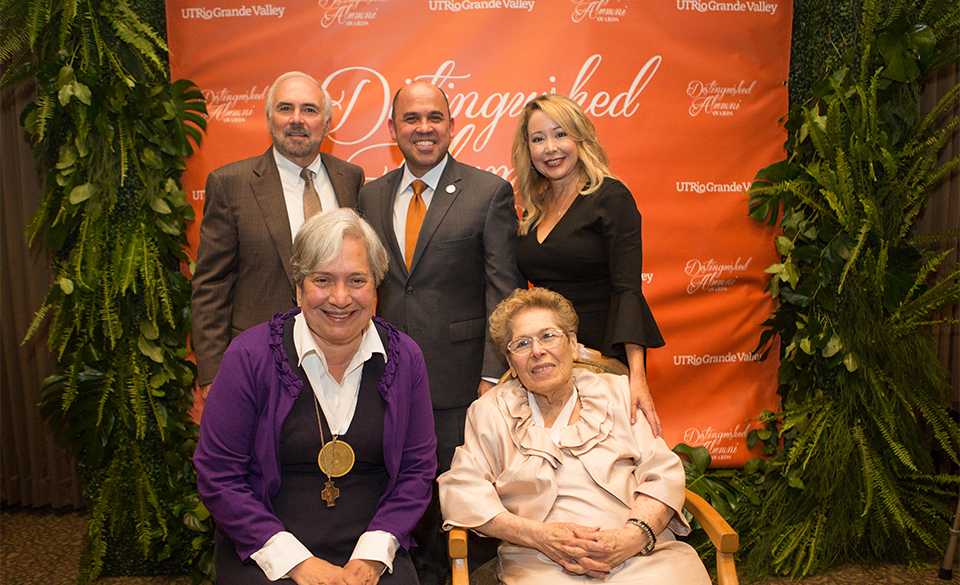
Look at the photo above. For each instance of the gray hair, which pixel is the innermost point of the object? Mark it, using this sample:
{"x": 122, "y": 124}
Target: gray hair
{"x": 272, "y": 94}
{"x": 320, "y": 240}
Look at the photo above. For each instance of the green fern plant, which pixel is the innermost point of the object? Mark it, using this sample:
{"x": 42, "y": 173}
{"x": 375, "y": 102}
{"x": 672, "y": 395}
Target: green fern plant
{"x": 851, "y": 474}
{"x": 112, "y": 134}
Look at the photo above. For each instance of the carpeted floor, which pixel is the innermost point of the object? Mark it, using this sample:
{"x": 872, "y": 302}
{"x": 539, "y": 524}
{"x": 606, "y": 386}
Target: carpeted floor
{"x": 42, "y": 547}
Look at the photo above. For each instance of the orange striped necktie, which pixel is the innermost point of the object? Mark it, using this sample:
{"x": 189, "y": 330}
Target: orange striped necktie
{"x": 415, "y": 214}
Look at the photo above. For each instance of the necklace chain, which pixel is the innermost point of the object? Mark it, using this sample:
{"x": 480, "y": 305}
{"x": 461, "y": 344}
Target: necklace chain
{"x": 570, "y": 197}
{"x": 330, "y": 492}
{"x": 564, "y": 203}
{"x": 322, "y": 442}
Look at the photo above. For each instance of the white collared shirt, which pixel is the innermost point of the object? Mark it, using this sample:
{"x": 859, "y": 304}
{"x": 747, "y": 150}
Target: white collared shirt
{"x": 283, "y": 551}
{"x": 338, "y": 400}
{"x": 401, "y": 202}
{"x": 293, "y": 188}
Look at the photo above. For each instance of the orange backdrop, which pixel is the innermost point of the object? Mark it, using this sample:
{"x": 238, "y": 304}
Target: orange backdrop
{"x": 686, "y": 96}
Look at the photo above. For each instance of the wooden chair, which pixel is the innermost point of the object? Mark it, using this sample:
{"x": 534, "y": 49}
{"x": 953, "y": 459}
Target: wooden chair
{"x": 721, "y": 534}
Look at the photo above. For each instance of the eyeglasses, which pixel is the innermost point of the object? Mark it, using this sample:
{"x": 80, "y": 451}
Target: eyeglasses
{"x": 547, "y": 339}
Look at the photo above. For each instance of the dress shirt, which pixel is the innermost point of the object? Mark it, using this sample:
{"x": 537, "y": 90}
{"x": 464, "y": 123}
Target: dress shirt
{"x": 293, "y": 188}
{"x": 283, "y": 551}
{"x": 401, "y": 202}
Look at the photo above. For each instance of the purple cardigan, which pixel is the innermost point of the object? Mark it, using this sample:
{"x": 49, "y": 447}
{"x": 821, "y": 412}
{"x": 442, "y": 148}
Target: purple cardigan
{"x": 238, "y": 454}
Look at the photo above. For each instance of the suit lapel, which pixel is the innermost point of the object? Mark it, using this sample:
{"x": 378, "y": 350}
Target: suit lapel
{"x": 447, "y": 191}
{"x": 386, "y": 217}
{"x": 342, "y": 189}
{"x": 268, "y": 191}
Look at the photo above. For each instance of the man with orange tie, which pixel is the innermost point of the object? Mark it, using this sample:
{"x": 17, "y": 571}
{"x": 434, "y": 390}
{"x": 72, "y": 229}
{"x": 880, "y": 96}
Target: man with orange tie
{"x": 252, "y": 210}
{"x": 451, "y": 231}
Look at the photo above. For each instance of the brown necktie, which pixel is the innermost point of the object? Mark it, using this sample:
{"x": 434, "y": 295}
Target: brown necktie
{"x": 311, "y": 201}
{"x": 415, "y": 214}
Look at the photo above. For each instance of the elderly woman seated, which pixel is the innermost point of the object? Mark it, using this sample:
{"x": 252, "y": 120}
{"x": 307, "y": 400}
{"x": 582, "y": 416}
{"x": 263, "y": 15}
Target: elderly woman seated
{"x": 317, "y": 454}
{"x": 552, "y": 466}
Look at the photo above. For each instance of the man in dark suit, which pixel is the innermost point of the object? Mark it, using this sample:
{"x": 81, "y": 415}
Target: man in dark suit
{"x": 447, "y": 274}
{"x": 253, "y": 209}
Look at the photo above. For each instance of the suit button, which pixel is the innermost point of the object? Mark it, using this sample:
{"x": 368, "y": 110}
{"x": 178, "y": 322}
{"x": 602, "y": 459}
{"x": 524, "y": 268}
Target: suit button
{"x": 410, "y": 291}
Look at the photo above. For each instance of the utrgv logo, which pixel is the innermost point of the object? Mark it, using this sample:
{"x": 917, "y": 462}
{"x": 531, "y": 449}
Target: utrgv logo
{"x": 242, "y": 11}
{"x": 699, "y": 360}
{"x": 711, "y": 187}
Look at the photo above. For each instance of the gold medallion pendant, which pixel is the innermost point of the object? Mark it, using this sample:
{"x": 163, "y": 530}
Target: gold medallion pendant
{"x": 336, "y": 458}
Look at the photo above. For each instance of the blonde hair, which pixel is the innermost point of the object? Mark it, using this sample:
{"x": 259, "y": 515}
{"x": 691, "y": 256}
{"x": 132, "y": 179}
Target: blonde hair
{"x": 530, "y": 298}
{"x": 594, "y": 162}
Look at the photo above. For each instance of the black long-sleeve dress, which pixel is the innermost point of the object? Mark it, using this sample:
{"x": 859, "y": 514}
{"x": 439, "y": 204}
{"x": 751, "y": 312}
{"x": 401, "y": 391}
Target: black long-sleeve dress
{"x": 594, "y": 258}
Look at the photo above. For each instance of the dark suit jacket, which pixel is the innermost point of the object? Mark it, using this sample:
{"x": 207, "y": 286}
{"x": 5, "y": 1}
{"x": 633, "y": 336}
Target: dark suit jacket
{"x": 464, "y": 264}
{"x": 243, "y": 274}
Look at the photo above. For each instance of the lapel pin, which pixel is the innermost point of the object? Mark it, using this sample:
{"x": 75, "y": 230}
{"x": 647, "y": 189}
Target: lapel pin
{"x": 451, "y": 188}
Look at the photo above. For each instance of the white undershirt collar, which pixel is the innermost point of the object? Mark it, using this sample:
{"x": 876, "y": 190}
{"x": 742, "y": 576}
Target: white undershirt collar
{"x": 337, "y": 400}
{"x": 563, "y": 419}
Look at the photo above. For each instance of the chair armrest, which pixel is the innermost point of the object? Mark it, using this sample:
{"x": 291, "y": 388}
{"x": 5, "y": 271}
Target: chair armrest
{"x": 457, "y": 543}
{"x": 457, "y": 547}
{"x": 721, "y": 534}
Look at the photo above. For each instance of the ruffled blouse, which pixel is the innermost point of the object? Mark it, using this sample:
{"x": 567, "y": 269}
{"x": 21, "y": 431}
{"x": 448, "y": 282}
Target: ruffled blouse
{"x": 508, "y": 462}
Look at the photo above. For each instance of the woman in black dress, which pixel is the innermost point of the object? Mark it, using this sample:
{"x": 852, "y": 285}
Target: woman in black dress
{"x": 580, "y": 236}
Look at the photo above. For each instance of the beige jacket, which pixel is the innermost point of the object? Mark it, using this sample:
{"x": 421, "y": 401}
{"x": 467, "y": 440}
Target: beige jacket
{"x": 508, "y": 463}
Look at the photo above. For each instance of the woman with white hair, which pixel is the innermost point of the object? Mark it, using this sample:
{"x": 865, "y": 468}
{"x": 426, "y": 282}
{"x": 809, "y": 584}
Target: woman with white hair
{"x": 317, "y": 452}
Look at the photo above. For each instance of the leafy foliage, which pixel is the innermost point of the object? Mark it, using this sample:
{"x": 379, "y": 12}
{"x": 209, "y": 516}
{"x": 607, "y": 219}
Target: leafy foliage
{"x": 818, "y": 27}
{"x": 850, "y": 473}
{"x": 726, "y": 490}
{"x": 113, "y": 133}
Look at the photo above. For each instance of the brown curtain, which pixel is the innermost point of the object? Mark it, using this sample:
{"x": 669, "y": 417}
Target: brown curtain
{"x": 942, "y": 214}
{"x": 34, "y": 471}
